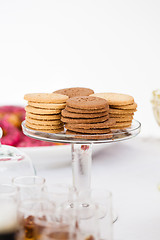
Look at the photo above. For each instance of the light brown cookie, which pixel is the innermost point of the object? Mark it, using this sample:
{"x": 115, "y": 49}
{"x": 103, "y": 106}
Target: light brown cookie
{"x": 41, "y": 110}
{"x": 90, "y": 131}
{"x": 115, "y": 98}
{"x": 45, "y": 97}
{"x": 59, "y": 130}
{"x": 87, "y": 102}
{"x": 105, "y": 124}
{"x": 121, "y": 115}
{"x": 75, "y": 92}
{"x": 47, "y": 105}
{"x": 43, "y": 117}
{"x": 84, "y": 120}
{"x": 43, "y": 122}
{"x": 124, "y": 119}
{"x": 125, "y": 107}
{"x": 122, "y": 124}
{"x": 76, "y": 110}
{"x": 65, "y": 113}
{"x": 120, "y": 111}
{"x": 43, "y": 127}
{"x": 91, "y": 136}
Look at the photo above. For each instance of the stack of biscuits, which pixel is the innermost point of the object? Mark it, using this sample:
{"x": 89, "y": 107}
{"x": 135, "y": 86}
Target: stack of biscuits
{"x": 43, "y": 112}
{"x": 87, "y": 115}
{"x": 121, "y": 108}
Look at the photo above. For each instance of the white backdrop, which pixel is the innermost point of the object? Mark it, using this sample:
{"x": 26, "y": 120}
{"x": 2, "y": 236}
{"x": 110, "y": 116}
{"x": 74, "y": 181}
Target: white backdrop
{"x": 108, "y": 46}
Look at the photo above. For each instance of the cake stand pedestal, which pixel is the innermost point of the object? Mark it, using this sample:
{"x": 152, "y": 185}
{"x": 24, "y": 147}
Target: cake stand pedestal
{"x": 81, "y": 148}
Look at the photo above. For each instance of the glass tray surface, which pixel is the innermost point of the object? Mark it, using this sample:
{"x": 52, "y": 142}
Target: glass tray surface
{"x": 118, "y": 135}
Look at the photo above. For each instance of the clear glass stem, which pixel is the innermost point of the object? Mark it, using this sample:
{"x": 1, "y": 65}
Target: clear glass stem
{"x": 81, "y": 166}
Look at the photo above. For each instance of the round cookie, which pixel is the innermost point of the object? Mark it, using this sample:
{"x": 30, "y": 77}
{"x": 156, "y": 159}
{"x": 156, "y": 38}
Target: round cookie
{"x": 46, "y": 130}
{"x": 125, "y": 119}
{"x": 84, "y": 120}
{"x": 87, "y": 102}
{"x": 91, "y": 136}
{"x": 43, "y": 127}
{"x": 45, "y": 97}
{"x": 125, "y": 107}
{"x": 41, "y": 111}
{"x": 76, "y": 110}
{"x": 120, "y": 115}
{"x": 43, "y": 117}
{"x": 120, "y": 111}
{"x": 105, "y": 124}
{"x": 65, "y": 113}
{"x": 74, "y": 92}
{"x": 115, "y": 98}
{"x": 122, "y": 124}
{"x": 47, "y": 105}
{"x": 43, "y": 122}
{"x": 94, "y": 130}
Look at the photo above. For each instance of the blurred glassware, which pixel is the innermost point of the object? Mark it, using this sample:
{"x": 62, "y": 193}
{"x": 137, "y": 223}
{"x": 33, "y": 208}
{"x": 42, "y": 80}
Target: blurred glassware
{"x": 13, "y": 162}
{"x": 28, "y": 211}
{"x": 29, "y": 187}
{"x": 99, "y": 200}
{"x": 8, "y": 212}
{"x": 156, "y": 105}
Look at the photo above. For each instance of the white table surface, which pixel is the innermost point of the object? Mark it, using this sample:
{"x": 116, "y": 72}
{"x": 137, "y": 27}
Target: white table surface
{"x": 130, "y": 169}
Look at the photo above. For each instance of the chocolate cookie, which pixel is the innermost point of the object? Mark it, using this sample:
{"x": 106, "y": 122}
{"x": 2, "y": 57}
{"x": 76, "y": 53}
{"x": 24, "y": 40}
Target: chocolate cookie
{"x": 65, "y": 113}
{"x": 74, "y": 92}
{"x": 90, "y": 131}
{"x": 84, "y": 120}
{"x": 105, "y": 124}
{"x": 90, "y": 136}
{"x": 87, "y": 102}
{"x": 76, "y": 110}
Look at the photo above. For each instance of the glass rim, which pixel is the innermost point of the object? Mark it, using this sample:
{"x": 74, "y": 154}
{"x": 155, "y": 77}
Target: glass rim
{"x": 21, "y": 184}
{"x": 11, "y": 187}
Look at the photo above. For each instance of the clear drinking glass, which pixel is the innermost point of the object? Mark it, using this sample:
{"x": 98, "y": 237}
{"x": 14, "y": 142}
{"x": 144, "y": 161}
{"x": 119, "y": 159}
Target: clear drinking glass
{"x": 29, "y": 187}
{"x": 29, "y": 210}
{"x": 99, "y": 201}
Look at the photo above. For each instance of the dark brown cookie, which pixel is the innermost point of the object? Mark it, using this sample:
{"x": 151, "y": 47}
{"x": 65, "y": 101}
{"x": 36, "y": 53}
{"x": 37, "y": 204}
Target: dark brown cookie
{"x": 74, "y": 92}
{"x": 90, "y": 131}
{"x": 90, "y": 136}
{"x": 105, "y": 124}
{"x": 76, "y": 110}
{"x": 84, "y": 120}
{"x": 65, "y": 113}
{"x": 87, "y": 102}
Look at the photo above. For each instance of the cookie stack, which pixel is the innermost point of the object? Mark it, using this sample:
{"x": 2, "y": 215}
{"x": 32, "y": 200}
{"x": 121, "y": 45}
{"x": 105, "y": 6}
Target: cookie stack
{"x": 122, "y": 108}
{"x": 43, "y": 112}
{"x": 89, "y": 116}
{"x": 75, "y": 92}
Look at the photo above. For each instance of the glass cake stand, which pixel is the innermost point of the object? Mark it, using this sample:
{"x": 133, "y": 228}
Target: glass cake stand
{"x": 81, "y": 148}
